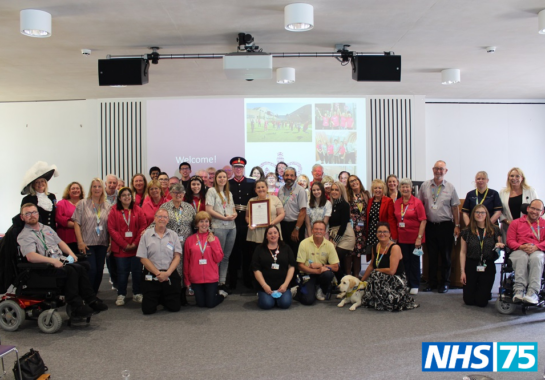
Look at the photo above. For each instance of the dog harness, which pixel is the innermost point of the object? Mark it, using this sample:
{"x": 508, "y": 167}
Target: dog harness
{"x": 360, "y": 286}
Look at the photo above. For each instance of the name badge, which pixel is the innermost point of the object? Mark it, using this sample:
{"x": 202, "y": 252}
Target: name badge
{"x": 434, "y": 207}
{"x": 100, "y": 228}
{"x": 128, "y": 234}
{"x": 401, "y": 224}
{"x": 361, "y": 224}
{"x": 181, "y": 238}
{"x": 149, "y": 277}
{"x": 202, "y": 262}
{"x": 480, "y": 268}
{"x": 98, "y": 231}
{"x": 170, "y": 246}
{"x": 225, "y": 223}
{"x": 275, "y": 266}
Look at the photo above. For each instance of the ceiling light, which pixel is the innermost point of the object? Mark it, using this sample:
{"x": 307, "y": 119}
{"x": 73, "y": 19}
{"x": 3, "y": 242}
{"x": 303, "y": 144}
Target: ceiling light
{"x": 299, "y": 17}
{"x": 35, "y": 23}
{"x": 541, "y": 22}
{"x": 450, "y": 76}
{"x": 285, "y": 75}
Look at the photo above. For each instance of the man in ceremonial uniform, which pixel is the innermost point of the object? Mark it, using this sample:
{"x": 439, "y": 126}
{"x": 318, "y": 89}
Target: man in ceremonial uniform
{"x": 242, "y": 189}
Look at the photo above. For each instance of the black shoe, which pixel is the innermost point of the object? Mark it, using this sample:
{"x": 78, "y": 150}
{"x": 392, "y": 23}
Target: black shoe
{"x": 225, "y": 289}
{"x": 98, "y": 306}
{"x": 183, "y": 298}
{"x": 82, "y": 311}
{"x": 428, "y": 288}
{"x": 443, "y": 289}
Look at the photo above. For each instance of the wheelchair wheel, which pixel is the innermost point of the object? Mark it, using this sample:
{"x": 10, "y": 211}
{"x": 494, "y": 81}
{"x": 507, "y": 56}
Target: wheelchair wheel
{"x": 11, "y": 315}
{"x": 505, "y": 307}
{"x": 54, "y": 324}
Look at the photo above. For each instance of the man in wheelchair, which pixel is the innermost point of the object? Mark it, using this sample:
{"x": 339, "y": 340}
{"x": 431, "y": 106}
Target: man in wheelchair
{"x": 40, "y": 244}
{"x": 526, "y": 239}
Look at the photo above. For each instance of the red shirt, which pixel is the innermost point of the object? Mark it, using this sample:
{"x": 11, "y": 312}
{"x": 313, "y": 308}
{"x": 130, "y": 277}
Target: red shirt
{"x": 117, "y": 228}
{"x": 414, "y": 213}
{"x": 65, "y": 210}
{"x": 197, "y": 203}
{"x": 194, "y": 272}
{"x": 150, "y": 209}
{"x": 520, "y": 233}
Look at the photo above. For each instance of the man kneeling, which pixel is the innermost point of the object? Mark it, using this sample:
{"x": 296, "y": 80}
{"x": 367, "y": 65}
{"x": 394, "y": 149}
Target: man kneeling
{"x": 160, "y": 252}
{"x": 317, "y": 260}
{"x": 40, "y": 244}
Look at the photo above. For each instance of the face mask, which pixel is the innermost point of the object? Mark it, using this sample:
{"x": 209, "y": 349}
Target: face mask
{"x": 418, "y": 252}
{"x": 276, "y": 294}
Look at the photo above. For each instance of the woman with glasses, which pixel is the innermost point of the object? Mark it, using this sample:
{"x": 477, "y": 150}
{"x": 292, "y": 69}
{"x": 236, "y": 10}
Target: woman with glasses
{"x": 477, "y": 256}
{"x": 358, "y": 198}
{"x": 91, "y": 228}
{"x": 384, "y": 280}
{"x": 154, "y": 199}
{"x": 482, "y": 195}
{"x": 164, "y": 181}
{"x": 513, "y": 196}
{"x": 126, "y": 223}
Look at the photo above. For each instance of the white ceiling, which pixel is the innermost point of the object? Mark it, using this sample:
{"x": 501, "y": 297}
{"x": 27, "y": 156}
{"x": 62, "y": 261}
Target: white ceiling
{"x": 429, "y": 35}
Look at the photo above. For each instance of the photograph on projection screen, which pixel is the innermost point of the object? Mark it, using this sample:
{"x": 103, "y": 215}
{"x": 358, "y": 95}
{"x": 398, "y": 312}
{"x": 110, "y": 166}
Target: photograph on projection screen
{"x": 339, "y": 116}
{"x": 336, "y": 147}
{"x": 279, "y": 122}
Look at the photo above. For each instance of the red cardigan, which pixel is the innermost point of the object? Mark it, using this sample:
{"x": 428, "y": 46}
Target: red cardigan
{"x": 386, "y": 214}
{"x": 194, "y": 273}
{"x": 151, "y": 208}
{"x": 117, "y": 229}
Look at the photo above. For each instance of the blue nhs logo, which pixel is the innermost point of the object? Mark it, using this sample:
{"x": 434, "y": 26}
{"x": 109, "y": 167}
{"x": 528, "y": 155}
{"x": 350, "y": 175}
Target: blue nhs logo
{"x": 479, "y": 357}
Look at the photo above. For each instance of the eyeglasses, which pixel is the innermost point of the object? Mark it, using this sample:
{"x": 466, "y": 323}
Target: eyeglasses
{"x": 163, "y": 179}
{"x": 439, "y": 169}
{"x": 185, "y": 168}
{"x": 480, "y": 212}
{"x": 535, "y": 209}
{"x": 383, "y": 232}
{"x": 162, "y": 217}
{"x": 30, "y": 213}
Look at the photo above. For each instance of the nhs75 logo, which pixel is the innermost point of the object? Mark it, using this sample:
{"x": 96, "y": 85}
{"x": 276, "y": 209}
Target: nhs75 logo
{"x": 479, "y": 356}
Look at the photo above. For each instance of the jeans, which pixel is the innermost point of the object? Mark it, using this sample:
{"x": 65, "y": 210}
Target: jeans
{"x": 309, "y": 295}
{"x": 266, "y": 301}
{"x": 111, "y": 264}
{"x": 206, "y": 295}
{"x": 227, "y": 240}
{"x": 411, "y": 262}
{"x": 96, "y": 256}
{"x": 126, "y": 266}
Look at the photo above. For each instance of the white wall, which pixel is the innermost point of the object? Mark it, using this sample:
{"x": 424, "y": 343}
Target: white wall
{"x": 60, "y": 133}
{"x": 489, "y": 137}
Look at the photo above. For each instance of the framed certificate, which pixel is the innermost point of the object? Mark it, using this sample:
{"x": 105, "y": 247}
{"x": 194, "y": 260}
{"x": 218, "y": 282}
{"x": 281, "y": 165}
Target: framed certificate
{"x": 260, "y": 215}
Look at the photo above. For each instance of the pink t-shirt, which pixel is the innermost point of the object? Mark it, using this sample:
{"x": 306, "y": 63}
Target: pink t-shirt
{"x": 335, "y": 120}
{"x": 414, "y": 213}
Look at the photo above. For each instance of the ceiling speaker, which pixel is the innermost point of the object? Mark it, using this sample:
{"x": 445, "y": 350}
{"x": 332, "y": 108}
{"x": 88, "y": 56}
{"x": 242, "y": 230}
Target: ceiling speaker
{"x": 123, "y": 72}
{"x": 376, "y": 68}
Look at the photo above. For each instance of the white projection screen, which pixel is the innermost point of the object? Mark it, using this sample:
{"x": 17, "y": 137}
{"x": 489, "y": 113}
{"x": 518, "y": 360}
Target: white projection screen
{"x": 298, "y": 131}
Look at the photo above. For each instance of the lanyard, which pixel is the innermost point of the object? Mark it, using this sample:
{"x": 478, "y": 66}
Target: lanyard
{"x": 481, "y": 241}
{"x": 436, "y": 191}
{"x": 477, "y": 196}
{"x": 403, "y": 212}
{"x": 179, "y": 214}
{"x": 200, "y": 245}
{"x": 97, "y": 213}
{"x": 127, "y": 222}
{"x": 538, "y": 234}
{"x": 378, "y": 260}
{"x": 197, "y": 206}
{"x": 42, "y": 239}
{"x": 274, "y": 256}
{"x": 286, "y": 199}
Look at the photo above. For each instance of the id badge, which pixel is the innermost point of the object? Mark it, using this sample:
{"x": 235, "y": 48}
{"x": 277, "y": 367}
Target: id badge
{"x": 181, "y": 239}
{"x": 100, "y": 228}
{"x": 361, "y": 224}
{"x": 98, "y": 231}
{"x": 170, "y": 246}
{"x": 434, "y": 207}
{"x": 149, "y": 277}
{"x": 401, "y": 224}
{"x": 480, "y": 268}
{"x": 275, "y": 266}
{"x": 202, "y": 262}
{"x": 225, "y": 223}
{"x": 128, "y": 234}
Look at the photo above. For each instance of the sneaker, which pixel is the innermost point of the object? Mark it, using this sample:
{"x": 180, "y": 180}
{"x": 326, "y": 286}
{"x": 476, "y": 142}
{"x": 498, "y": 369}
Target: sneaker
{"x": 225, "y": 288}
{"x": 531, "y": 298}
{"x": 519, "y": 295}
{"x": 98, "y": 306}
{"x": 120, "y": 301}
{"x": 223, "y": 293}
{"x": 414, "y": 291}
{"x": 190, "y": 291}
{"x": 293, "y": 292}
{"x": 320, "y": 294}
{"x": 138, "y": 298}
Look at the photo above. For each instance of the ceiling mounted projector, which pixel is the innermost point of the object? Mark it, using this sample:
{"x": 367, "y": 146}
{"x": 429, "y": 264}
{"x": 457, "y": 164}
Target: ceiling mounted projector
{"x": 248, "y": 66}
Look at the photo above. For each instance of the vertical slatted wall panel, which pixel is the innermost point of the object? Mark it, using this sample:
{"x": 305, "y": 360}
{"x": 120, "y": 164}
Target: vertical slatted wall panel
{"x": 121, "y": 139}
{"x": 391, "y": 138}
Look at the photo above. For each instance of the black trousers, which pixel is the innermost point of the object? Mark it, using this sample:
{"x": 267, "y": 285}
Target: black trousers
{"x": 74, "y": 281}
{"x": 323, "y": 280}
{"x": 240, "y": 250}
{"x": 439, "y": 239}
{"x": 343, "y": 254}
{"x": 206, "y": 295}
{"x": 166, "y": 293}
{"x": 287, "y": 228}
{"x": 478, "y": 284}
{"x": 411, "y": 263}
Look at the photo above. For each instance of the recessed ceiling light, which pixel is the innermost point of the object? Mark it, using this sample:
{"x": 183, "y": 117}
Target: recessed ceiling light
{"x": 450, "y": 76}
{"x": 285, "y": 75}
{"x": 299, "y": 17}
{"x": 35, "y": 23}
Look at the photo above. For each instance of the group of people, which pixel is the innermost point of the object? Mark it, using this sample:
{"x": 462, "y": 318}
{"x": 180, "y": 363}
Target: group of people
{"x": 194, "y": 233}
{"x": 336, "y": 149}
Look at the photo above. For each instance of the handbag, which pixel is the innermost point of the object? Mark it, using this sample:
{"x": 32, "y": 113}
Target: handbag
{"x": 32, "y": 366}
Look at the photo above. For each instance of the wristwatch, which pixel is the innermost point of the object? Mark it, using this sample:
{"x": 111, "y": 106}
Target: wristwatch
{"x": 420, "y": 236}
{"x": 458, "y": 225}
{"x": 297, "y": 228}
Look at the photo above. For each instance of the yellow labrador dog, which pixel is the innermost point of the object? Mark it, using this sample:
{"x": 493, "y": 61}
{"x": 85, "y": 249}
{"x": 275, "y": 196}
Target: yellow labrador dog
{"x": 352, "y": 290}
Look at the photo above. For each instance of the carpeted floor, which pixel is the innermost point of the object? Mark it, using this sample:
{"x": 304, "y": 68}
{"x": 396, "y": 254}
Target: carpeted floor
{"x": 239, "y": 341}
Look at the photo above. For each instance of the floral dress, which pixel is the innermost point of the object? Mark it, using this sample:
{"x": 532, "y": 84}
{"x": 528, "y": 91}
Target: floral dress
{"x": 358, "y": 214}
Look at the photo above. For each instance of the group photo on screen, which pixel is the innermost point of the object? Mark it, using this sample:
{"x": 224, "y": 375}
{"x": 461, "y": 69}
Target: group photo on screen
{"x": 278, "y": 122}
{"x": 340, "y": 116}
{"x": 336, "y": 147}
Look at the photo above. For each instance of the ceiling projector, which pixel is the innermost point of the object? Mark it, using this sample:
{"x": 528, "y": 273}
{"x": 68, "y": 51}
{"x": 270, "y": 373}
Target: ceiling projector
{"x": 248, "y": 66}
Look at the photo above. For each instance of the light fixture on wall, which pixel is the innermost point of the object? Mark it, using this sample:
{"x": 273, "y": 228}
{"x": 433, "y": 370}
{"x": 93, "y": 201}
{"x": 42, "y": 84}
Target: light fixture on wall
{"x": 35, "y": 23}
{"x": 450, "y": 76}
{"x": 298, "y": 17}
{"x": 541, "y": 22}
{"x": 285, "y": 75}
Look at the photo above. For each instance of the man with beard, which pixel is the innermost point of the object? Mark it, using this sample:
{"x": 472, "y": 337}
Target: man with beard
{"x": 294, "y": 200}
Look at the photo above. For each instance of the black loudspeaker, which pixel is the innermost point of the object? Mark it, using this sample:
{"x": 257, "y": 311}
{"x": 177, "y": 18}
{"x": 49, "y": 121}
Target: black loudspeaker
{"x": 376, "y": 68}
{"x": 123, "y": 72}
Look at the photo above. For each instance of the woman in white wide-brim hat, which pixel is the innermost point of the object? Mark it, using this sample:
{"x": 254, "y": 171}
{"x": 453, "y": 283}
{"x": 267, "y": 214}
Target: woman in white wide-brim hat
{"x": 35, "y": 188}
